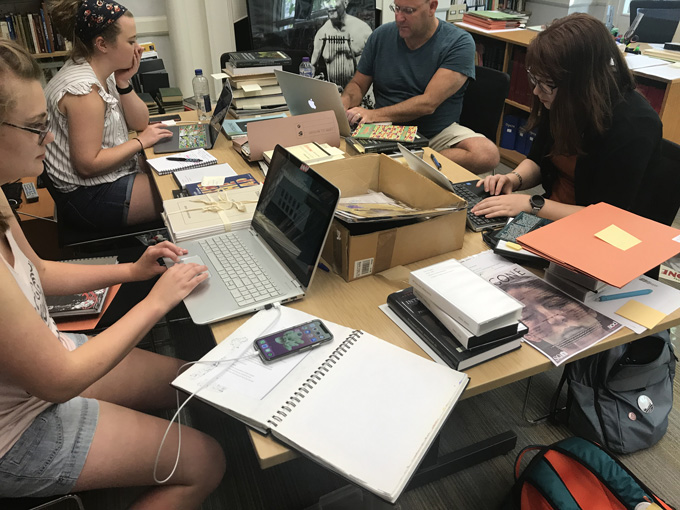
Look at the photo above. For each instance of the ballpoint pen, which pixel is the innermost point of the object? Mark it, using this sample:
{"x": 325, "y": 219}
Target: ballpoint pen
{"x": 623, "y": 295}
{"x": 436, "y": 163}
{"x": 188, "y": 160}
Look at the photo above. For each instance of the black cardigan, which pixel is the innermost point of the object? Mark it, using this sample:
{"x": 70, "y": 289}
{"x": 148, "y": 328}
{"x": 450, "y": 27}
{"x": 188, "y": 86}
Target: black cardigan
{"x": 616, "y": 165}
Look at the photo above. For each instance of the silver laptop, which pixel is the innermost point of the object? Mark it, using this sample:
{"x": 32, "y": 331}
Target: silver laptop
{"x": 309, "y": 95}
{"x": 198, "y": 135}
{"x": 275, "y": 259}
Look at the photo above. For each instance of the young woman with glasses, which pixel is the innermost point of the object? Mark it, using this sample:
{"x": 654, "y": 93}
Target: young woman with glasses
{"x": 70, "y": 405}
{"x": 596, "y": 135}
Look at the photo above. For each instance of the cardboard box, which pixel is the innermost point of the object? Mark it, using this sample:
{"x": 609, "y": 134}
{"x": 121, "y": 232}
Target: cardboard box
{"x": 353, "y": 252}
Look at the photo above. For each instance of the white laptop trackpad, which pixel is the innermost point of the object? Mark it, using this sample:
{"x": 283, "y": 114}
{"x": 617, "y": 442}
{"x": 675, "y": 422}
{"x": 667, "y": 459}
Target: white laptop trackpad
{"x": 196, "y": 259}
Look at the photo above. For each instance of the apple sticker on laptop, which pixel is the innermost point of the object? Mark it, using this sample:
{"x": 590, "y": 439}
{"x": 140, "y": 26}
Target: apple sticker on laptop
{"x": 311, "y": 104}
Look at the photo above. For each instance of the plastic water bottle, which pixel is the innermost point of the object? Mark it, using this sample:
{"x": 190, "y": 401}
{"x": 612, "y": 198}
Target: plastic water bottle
{"x": 201, "y": 95}
{"x": 306, "y": 68}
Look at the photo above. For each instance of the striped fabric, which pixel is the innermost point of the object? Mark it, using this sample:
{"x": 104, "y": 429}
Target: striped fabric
{"x": 78, "y": 79}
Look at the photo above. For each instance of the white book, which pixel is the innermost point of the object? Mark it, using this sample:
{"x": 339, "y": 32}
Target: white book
{"x": 256, "y": 91}
{"x": 248, "y": 71}
{"x": 199, "y": 216}
{"x": 358, "y": 405}
{"x": 478, "y": 305}
{"x": 190, "y": 159}
{"x": 258, "y": 102}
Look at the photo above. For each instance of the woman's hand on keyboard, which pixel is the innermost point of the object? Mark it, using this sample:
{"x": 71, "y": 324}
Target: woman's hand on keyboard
{"x": 147, "y": 265}
{"x": 176, "y": 284}
{"x": 502, "y": 205}
{"x": 497, "y": 184}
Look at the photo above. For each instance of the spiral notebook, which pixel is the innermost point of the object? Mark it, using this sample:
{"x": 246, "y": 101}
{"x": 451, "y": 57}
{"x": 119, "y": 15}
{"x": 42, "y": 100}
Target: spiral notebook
{"x": 358, "y": 405}
{"x": 166, "y": 165}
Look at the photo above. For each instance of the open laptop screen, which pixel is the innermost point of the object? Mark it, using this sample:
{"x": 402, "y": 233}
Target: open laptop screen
{"x": 294, "y": 213}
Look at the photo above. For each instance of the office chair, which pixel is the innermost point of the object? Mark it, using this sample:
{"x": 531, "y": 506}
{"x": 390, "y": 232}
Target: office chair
{"x": 484, "y": 100}
{"x": 88, "y": 241}
{"x": 660, "y": 199}
{"x": 660, "y": 19}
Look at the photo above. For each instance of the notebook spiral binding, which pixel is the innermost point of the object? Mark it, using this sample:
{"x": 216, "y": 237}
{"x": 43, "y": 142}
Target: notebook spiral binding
{"x": 314, "y": 378}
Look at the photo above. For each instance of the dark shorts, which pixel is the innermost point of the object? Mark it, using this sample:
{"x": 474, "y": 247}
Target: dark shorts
{"x": 49, "y": 456}
{"x": 104, "y": 206}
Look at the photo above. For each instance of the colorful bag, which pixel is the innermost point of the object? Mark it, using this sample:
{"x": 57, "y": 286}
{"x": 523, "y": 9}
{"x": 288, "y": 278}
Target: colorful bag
{"x": 576, "y": 474}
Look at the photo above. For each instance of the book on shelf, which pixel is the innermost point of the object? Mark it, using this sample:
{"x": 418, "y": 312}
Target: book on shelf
{"x": 390, "y": 132}
{"x": 258, "y": 102}
{"x": 250, "y": 71}
{"x": 194, "y": 217}
{"x": 465, "y": 337}
{"x": 166, "y": 164}
{"x": 258, "y": 58}
{"x": 228, "y": 183}
{"x": 311, "y": 153}
{"x": 195, "y": 175}
{"x": 366, "y": 146}
{"x": 477, "y": 304}
{"x": 311, "y": 400}
{"x": 82, "y": 303}
{"x": 418, "y": 322}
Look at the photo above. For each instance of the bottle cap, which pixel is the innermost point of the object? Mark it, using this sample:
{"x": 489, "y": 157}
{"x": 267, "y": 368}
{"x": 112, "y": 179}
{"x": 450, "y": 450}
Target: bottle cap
{"x": 199, "y": 72}
{"x": 305, "y": 59}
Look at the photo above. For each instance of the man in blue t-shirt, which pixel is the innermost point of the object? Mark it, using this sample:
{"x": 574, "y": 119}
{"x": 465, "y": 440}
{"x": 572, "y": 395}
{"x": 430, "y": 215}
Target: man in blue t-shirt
{"x": 419, "y": 67}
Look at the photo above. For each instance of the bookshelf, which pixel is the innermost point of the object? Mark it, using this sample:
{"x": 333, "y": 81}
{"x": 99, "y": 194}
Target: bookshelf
{"x": 505, "y": 51}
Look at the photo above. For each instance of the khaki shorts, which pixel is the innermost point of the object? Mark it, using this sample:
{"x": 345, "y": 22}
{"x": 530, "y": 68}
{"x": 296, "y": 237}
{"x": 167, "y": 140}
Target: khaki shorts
{"x": 450, "y": 136}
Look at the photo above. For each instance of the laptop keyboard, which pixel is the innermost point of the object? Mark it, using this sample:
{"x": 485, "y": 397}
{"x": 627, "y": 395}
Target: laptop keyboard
{"x": 471, "y": 194}
{"x": 241, "y": 273}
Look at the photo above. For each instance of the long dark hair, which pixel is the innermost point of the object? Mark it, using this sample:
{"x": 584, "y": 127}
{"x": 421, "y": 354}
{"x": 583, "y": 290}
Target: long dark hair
{"x": 15, "y": 61}
{"x": 578, "y": 54}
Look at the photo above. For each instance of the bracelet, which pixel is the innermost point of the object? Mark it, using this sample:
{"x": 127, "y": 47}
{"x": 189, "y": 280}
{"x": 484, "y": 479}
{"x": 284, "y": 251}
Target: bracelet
{"x": 124, "y": 91}
{"x": 521, "y": 181}
{"x": 140, "y": 144}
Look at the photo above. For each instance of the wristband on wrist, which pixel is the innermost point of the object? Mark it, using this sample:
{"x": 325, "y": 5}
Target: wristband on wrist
{"x": 140, "y": 144}
{"x": 124, "y": 91}
{"x": 521, "y": 181}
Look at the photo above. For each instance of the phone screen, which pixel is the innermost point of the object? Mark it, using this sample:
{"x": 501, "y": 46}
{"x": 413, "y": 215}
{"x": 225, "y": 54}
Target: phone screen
{"x": 291, "y": 340}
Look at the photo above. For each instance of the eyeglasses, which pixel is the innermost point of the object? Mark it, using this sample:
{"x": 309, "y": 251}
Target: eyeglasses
{"x": 406, "y": 11}
{"x": 546, "y": 88}
{"x": 42, "y": 133}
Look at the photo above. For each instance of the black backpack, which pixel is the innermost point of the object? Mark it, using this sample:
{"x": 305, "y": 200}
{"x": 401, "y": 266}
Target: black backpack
{"x": 620, "y": 398}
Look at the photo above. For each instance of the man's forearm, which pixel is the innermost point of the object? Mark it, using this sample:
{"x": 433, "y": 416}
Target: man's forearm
{"x": 405, "y": 111}
{"x": 352, "y": 95}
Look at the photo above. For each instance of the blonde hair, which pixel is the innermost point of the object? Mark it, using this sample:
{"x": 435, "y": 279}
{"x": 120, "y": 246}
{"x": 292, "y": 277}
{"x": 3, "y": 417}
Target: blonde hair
{"x": 15, "y": 61}
{"x": 63, "y": 14}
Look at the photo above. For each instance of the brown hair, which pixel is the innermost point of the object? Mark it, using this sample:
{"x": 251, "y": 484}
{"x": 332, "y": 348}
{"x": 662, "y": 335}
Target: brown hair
{"x": 63, "y": 13}
{"x": 15, "y": 61}
{"x": 578, "y": 54}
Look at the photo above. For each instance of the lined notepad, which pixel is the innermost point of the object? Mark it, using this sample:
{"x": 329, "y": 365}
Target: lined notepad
{"x": 165, "y": 165}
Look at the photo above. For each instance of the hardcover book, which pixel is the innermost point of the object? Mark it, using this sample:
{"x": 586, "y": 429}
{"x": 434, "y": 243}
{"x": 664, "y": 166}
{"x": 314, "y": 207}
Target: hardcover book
{"x": 416, "y": 316}
{"x": 258, "y": 58}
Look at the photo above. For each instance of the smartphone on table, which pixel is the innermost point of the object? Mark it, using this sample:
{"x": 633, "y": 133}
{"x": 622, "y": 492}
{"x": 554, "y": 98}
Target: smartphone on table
{"x": 289, "y": 341}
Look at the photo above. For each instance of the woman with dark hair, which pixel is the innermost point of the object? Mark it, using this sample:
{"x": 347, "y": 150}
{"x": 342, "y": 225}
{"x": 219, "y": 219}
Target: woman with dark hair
{"x": 94, "y": 166}
{"x": 596, "y": 136}
{"x": 70, "y": 404}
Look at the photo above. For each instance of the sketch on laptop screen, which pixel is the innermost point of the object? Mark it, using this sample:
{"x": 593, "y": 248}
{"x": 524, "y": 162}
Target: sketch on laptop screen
{"x": 292, "y": 215}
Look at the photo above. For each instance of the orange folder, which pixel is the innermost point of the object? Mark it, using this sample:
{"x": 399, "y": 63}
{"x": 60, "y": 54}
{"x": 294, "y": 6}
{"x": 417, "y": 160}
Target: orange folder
{"x": 629, "y": 245}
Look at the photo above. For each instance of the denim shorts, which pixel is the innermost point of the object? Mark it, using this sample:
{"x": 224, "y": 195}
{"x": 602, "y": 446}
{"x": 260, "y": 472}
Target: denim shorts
{"x": 49, "y": 456}
{"x": 104, "y": 206}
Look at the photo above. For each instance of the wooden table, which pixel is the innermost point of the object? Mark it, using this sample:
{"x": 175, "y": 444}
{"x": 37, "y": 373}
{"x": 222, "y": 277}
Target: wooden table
{"x": 355, "y": 305}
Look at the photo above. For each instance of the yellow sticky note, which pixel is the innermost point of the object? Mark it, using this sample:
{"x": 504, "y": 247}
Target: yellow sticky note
{"x": 617, "y": 237}
{"x": 513, "y": 246}
{"x": 641, "y": 314}
{"x": 212, "y": 181}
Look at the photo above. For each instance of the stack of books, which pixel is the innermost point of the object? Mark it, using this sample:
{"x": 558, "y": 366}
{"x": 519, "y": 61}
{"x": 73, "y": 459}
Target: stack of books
{"x": 463, "y": 318}
{"x": 577, "y": 285}
{"x": 254, "y": 84}
{"x": 171, "y": 99}
{"x": 150, "y": 103}
{"x": 493, "y": 20}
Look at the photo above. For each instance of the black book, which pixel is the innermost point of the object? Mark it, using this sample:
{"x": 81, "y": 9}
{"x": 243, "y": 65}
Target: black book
{"x": 258, "y": 58}
{"x": 368, "y": 145}
{"x": 418, "y": 317}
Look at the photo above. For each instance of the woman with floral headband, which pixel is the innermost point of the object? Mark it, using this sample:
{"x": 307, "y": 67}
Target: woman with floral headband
{"x": 95, "y": 168}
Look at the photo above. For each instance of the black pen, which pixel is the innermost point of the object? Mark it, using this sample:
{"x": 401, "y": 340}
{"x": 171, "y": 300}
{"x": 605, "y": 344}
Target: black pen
{"x": 188, "y": 160}
{"x": 436, "y": 163}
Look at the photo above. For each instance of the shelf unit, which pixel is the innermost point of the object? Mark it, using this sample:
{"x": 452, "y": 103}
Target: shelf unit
{"x": 667, "y": 102}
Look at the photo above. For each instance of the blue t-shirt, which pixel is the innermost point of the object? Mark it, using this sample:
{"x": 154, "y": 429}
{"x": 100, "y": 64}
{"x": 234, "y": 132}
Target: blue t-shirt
{"x": 400, "y": 73}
